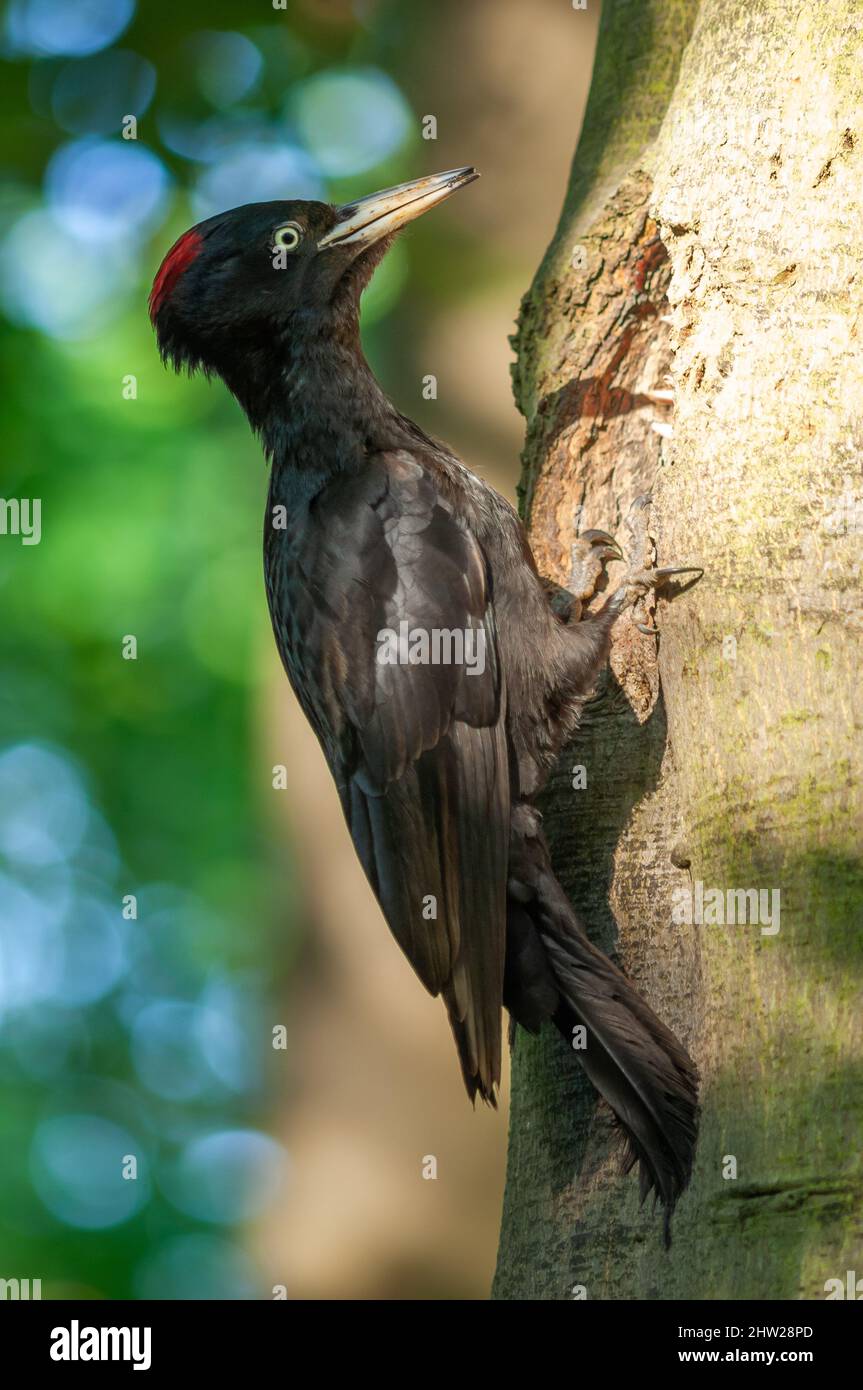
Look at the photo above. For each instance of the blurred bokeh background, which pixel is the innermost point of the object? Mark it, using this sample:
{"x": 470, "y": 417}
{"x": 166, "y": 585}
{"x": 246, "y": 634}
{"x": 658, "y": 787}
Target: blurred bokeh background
{"x": 217, "y": 1074}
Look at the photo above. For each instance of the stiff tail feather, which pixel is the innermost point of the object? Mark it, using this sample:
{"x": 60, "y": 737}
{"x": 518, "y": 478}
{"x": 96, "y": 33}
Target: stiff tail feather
{"x": 634, "y": 1061}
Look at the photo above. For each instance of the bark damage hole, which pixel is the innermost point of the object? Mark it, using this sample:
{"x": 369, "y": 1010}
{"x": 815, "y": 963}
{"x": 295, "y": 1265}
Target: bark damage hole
{"x": 633, "y": 298}
{"x": 603, "y": 408}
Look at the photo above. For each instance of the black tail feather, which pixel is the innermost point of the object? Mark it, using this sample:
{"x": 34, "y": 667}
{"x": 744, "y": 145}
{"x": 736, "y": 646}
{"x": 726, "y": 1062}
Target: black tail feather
{"x": 634, "y": 1061}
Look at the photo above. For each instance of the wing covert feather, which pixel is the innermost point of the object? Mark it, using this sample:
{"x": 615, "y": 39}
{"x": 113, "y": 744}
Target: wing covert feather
{"x": 419, "y": 751}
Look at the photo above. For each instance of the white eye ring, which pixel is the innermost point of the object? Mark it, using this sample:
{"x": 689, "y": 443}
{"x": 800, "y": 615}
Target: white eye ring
{"x": 288, "y": 237}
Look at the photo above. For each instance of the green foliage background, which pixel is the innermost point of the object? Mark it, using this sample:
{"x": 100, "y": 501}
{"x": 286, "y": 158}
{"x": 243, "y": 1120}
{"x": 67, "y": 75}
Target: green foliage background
{"x": 151, "y": 517}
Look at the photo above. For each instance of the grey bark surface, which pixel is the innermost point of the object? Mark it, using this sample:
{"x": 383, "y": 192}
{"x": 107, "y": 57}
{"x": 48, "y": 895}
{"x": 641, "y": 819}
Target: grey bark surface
{"x": 710, "y": 241}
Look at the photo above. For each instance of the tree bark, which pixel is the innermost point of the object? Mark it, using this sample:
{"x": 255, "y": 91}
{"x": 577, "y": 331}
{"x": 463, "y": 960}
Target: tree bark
{"x": 710, "y": 241}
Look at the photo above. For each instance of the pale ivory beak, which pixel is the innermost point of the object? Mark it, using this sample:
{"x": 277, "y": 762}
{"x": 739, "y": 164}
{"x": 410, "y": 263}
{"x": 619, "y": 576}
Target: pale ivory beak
{"x": 369, "y": 219}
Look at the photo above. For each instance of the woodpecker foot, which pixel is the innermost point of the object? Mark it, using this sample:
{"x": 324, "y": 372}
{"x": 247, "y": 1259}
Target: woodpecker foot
{"x": 591, "y": 552}
{"x": 644, "y": 578}
{"x": 643, "y": 553}
{"x": 639, "y": 583}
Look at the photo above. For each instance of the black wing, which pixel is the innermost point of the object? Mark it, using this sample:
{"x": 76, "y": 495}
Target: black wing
{"x": 418, "y": 751}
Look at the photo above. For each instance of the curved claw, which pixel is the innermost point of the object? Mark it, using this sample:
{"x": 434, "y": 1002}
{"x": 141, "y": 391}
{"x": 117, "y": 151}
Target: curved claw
{"x": 610, "y": 548}
{"x": 667, "y": 573}
{"x": 648, "y": 631}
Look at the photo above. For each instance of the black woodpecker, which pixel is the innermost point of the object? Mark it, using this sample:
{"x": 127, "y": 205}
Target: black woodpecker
{"x": 423, "y": 647}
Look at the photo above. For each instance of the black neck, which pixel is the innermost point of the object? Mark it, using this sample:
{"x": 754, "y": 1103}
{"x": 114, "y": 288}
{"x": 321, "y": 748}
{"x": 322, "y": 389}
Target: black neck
{"x": 312, "y": 397}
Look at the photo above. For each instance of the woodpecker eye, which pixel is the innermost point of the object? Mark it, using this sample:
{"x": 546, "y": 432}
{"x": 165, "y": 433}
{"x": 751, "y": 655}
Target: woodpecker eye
{"x": 288, "y": 237}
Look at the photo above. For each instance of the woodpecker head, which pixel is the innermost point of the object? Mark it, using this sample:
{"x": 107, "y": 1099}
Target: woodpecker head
{"x": 236, "y": 283}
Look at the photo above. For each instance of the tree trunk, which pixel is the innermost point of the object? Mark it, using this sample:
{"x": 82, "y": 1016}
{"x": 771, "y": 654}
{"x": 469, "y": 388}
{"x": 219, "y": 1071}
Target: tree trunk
{"x": 710, "y": 241}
